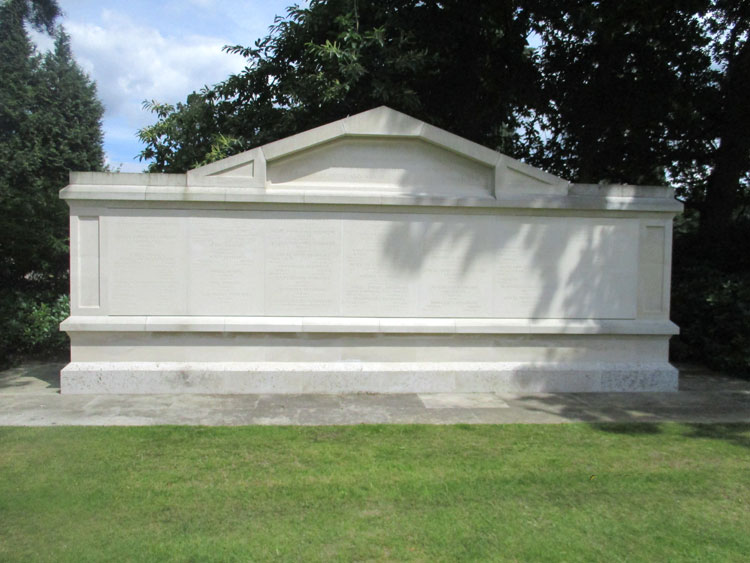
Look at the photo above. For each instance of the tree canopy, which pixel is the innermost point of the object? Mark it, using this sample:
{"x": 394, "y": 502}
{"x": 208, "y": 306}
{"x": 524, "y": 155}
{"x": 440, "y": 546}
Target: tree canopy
{"x": 634, "y": 92}
{"x": 467, "y": 70}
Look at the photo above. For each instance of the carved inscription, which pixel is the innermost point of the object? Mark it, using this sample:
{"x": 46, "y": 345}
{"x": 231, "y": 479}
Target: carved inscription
{"x": 367, "y": 264}
{"x": 455, "y": 278}
{"x": 372, "y": 285}
{"x": 226, "y": 266}
{"x": 516, "y": 293}
{"x": 556, "y": 268}
{"x": 303, "y": 267}
{"x": 147, "y": 265}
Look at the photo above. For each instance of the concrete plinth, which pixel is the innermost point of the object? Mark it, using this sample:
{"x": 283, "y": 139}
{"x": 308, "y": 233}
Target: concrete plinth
{"x": 361, "y": 377}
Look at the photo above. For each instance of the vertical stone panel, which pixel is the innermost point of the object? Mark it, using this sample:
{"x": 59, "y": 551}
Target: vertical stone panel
{"x": 652, "y": 259}
{"x": 88, "y": 262}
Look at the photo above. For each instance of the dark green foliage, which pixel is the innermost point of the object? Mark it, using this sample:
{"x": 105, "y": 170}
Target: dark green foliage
{"x": 50, "y": 124}
{"x": 41, "y": 14}
{"x": 728, "y": 185}
{"x": 711, "y": 297}
{"x": 31, "y": 327}
{"x": 624, "y": 82}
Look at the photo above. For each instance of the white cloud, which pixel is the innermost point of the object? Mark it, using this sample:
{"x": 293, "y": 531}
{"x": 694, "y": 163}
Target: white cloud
{"x": 136, "y": 50}
{"x": 131, "y": 63}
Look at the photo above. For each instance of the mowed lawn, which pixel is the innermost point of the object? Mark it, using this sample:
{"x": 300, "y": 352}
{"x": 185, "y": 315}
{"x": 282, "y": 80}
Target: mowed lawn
{"x": 514, "y": 492}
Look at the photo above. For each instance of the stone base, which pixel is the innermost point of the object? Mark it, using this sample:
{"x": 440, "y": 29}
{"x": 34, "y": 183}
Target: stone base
{"x": 363, "y": 377}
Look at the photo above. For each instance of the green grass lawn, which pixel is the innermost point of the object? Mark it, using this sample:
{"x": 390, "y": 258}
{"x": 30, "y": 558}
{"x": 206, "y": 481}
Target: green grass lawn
{"x": 514, "y": 492}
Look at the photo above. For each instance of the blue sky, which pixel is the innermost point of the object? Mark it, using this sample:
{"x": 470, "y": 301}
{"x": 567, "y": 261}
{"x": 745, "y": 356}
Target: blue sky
{"x": 140, "y": 50}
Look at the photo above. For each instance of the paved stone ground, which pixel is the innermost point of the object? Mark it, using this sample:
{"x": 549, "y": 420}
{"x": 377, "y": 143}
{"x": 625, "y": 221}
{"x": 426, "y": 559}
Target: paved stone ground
{"x": 29, "y": 396}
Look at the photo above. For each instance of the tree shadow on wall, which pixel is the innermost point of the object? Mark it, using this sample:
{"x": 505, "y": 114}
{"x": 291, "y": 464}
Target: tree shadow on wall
{"x": 526, "y": 267}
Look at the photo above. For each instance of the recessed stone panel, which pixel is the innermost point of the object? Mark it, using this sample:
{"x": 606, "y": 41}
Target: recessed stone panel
{"x": 373, "y": 264}
{"x": 87, "y": 267}
{"x": 382, "y": 165}
{"x": 653, "y": 243}
{"x": 225, "y": 262}
{"x": 146, "y": 260}
{"x": 302, "y": 266}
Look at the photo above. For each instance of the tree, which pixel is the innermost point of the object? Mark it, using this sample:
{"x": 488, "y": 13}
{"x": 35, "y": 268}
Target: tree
{"x": 641, "y": 91}
{"x": 728, "y": 139}
{"x": 18, "y": 65}
{"x": 467, "y": 70}
{"x": 49, "y": 124}
{"x": 621, "y": 80}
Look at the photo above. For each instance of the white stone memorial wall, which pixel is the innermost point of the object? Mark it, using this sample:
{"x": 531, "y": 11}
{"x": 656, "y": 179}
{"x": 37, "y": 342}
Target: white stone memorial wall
{"x": 372, "y": 254}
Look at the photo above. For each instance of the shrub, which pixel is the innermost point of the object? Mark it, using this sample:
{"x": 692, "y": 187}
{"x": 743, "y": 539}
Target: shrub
{"x": 711, "y": 299}
{"x": 31, "y": 326}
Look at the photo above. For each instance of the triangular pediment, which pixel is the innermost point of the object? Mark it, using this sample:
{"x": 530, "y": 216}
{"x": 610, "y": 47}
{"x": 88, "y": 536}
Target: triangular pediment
{"x": 380, "y": 151}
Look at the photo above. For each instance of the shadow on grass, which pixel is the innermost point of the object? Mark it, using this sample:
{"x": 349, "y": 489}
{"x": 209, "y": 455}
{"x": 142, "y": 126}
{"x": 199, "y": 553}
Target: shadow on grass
{"x": 632, "y": 416}
{"x": 712, "y": 405}
{"x": 736, "y": 433}
{"x": 705, "y": 397}
{"x": 632, "y": 428}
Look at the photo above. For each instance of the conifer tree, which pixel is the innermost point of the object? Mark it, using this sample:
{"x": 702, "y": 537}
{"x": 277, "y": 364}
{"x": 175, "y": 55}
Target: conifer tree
{"x": 49, "y": 124}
